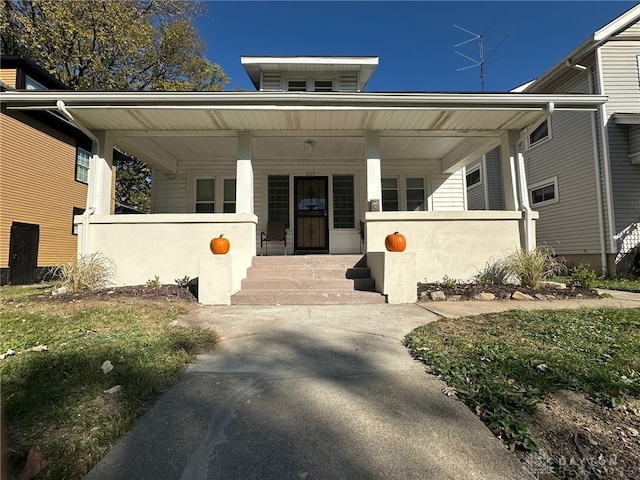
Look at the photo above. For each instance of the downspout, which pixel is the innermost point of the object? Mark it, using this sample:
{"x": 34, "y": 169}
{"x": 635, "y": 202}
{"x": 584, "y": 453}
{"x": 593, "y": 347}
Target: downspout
{"x": 596, "y": 159}
{"x": 84, "y": 247}
{"x": 523, "y": 191}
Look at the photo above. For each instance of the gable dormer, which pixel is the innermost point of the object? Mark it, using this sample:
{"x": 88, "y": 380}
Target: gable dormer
{"x": 309, "y": 74}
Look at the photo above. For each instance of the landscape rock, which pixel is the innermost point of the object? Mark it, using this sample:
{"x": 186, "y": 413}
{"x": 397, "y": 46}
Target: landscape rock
{"x": 437, "y": 296}
{"x": 540, "y": 296}
{"x": 556, "y": 285}
{"x": 59, "y": 291}
{"x": 455, "y": 298}
{"x": 484, "y": 296}
{"x": 520, "y": 296}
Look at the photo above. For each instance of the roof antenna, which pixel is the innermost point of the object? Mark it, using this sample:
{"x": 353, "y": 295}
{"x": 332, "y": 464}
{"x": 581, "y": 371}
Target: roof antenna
{"x": 476, "y": 63}
{"x": 480, "y": 39}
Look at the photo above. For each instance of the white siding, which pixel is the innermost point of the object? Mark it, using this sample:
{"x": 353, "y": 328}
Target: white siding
{"x": 570, "y": 226}
{"x": 621, "y": 82}
{"x": 448, "y": 191}
{"x": 476, "y": 193}
{"x": 493, "y": 169}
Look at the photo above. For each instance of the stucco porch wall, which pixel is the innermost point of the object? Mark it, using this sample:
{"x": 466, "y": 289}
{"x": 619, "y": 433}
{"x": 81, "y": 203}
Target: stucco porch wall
{"x": 456, "y": 244}
{"x": 172, "y": 246}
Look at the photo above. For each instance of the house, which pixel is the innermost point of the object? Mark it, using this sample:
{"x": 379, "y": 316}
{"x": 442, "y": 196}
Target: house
{"x": 44, "y": 164}
{"x": 583, "y": 172}
{"x": 312, "y": 148}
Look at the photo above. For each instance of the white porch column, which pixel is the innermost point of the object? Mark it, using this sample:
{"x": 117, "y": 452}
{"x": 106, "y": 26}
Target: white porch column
{"x": 508, "y": 143}
{"x": 99, "y": 194}
{"x": 244, "y": 173}
{"x": 374, "y": 175}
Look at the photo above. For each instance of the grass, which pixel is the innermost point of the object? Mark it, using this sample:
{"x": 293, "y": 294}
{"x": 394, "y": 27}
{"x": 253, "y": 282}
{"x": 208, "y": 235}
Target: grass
{"x": 627, "y": 284}
{"x": 56, "y": 397}
{"x": 502, "y": 365}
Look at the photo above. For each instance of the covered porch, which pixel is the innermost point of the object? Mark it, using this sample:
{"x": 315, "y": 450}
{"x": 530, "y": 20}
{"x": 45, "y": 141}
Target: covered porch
{"x": 329, "y": 165}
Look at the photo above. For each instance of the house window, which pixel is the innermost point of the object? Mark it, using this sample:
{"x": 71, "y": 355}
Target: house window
{"x": 540, "y": 134}
{"x": 297, "y": 86}
{"x": 390, "y": 198}
{"x": 323, "y": 86}
{"x": 229, "y": 196}
{"x": 473, "y": 177}
{"x": 343, "y": 203}
{"x": 74, "y": 227}
{"x": 278, "y": 198}
{"x": 31, "y": 84}
{"x": 544, "y": 192}
{"x": 205, "y": 199}
{"x": 82, "y": 165}
{"x": 415, "y": 194}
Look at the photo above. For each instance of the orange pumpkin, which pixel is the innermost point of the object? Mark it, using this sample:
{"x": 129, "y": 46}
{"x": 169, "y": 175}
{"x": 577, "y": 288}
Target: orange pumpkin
{"x": 219, "y": 245}
{"x": 395, "y": 242}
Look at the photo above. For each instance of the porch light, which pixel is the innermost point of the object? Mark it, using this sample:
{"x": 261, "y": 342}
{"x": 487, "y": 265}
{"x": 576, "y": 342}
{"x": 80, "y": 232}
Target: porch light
{"x": 309, "y": 145}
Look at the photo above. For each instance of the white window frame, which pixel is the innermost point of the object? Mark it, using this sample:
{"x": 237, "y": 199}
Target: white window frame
{"x": 80, "y": 167}
{"x": 309, "y": 80}
{"x": 218, "y": 188}
{"x": 537, "y": 186}
{"x": 530, "y": 144}
{"x": 480, "y": 176}
{"x": 398, "y": 189}
{"x": 320, "y": 79}
{"x": 227, "y": 202}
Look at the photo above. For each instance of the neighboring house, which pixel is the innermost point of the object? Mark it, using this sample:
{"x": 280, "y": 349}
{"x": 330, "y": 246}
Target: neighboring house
{"x": 583, "y": 172}
{"x": 44, "y": 176}
{"x": 313, "y": 149}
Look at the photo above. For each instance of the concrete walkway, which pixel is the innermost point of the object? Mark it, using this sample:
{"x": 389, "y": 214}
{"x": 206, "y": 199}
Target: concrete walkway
{"x": 320, "y": 392}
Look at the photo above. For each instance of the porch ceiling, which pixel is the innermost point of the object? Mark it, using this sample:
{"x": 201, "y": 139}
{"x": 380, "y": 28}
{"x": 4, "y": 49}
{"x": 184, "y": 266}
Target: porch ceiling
{"x": 166, "y": 128}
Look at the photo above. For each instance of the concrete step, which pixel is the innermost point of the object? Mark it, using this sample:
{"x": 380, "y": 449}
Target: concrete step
{"x": 263, "y": 272}
{"x": 308, "y": 284}
{"x": 327, "y": 297}
{"x": 323, "y": 261}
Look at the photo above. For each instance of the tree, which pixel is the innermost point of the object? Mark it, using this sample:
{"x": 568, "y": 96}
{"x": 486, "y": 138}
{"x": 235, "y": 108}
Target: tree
{"x": 114, "y": 45}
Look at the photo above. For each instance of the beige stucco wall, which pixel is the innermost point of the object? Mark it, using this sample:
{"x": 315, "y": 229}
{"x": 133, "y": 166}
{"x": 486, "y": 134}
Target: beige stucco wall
{"x": 170, "y": 245}
{"x": 456, "y": 244}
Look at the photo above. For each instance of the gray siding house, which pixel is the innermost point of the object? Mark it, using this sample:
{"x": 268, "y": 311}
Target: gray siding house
{"x": 583, "y": 172}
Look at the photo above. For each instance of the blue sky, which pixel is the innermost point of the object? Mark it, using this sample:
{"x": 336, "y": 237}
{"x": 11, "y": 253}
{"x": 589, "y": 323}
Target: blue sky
{"x": 415, "y": 41}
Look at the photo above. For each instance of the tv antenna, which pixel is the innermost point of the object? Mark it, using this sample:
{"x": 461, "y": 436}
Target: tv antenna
{"x": 476, "y": 63}
{"x": 475, "y": 37}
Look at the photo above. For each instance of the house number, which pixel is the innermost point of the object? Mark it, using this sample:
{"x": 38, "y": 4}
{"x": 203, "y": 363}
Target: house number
{"x": 311, "y": 174}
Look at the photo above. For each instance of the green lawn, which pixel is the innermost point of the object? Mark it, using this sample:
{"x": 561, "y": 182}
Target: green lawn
{"x": 502, "y": 365}
{"x": 627, "y": 284}
{"x": 56, "y": 397}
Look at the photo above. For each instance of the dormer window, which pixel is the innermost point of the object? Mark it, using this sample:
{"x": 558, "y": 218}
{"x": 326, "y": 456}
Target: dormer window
{"x": 323, "y": 86}
{"x": 297, "y": 86}
{"x": 31, "y": 84}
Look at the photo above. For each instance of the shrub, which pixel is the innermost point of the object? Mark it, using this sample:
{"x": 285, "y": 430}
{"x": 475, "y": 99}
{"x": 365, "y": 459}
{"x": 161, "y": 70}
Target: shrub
{"x": 582, "y": 277}
{"x": 531, "y": 268}
{"x": 154, "y": 282}
{"x": 89, "y": 272}
{"x": 495, "y": 273}
{"x": 183, "y": 282}
{"x": 448, "y": 282}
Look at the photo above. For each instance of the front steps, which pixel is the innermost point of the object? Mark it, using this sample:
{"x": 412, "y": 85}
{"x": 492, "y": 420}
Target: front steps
{"x": 308, "y": 280}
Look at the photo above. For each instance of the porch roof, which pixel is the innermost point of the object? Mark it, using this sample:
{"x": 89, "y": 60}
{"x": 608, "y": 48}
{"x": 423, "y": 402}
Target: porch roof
{"x": 449, "y": 130}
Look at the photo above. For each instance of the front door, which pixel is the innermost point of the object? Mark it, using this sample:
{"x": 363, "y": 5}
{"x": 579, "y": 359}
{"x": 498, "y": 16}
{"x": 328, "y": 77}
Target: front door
{"x": 311, "y": 220}
{"x": 23, "y": 253}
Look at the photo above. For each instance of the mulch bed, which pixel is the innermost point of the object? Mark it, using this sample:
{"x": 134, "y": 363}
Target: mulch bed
{"x": 167, "y": 292}
{"x": 467, "y": 291}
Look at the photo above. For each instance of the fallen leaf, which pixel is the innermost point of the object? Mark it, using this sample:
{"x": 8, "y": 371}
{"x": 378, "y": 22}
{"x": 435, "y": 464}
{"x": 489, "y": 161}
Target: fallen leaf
{"x": 511, "y": 381}
{"x": 9, "y": 353}
{"x": 35, "y": 463}
{"x": 39, "y": 348}
{"x": 107, "y": 366}
{"x": 450, "y": 392}
{"x": 542, "y": 367}
{"x": 113, "y": 390}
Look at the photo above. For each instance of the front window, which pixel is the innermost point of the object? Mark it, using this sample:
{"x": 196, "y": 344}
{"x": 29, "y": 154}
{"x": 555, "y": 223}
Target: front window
{"x": 31, "y": 84}
{"x": 229, "y": 200}
{"x": 82, "y": 165}
{"x": 76, "y": 211}
{"x": 540, "y": 134}
{"x": 323, "y": 86}
{"x": 544, "y": 192}
{"x": 205, "y": 198}
{"x": 343, "y": 202}
{"x": 390, "y": 198}
{"x": 297, "y": 86}
{"x": 473, "y": 177}
{"x": 415, "y": 194}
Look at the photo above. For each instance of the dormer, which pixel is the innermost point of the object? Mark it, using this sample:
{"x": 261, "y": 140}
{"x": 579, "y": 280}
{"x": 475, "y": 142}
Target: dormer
{"x": 309, "y": 74}
{"x": 18, "y": 73}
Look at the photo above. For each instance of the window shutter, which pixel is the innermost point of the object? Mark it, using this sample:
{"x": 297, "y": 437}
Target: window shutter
{"x": 349, "y": 82}
{"x": 271, "y": 81}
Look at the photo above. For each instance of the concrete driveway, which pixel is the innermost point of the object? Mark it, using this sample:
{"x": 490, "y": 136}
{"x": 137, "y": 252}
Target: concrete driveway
{"x": 320, "y": 392}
